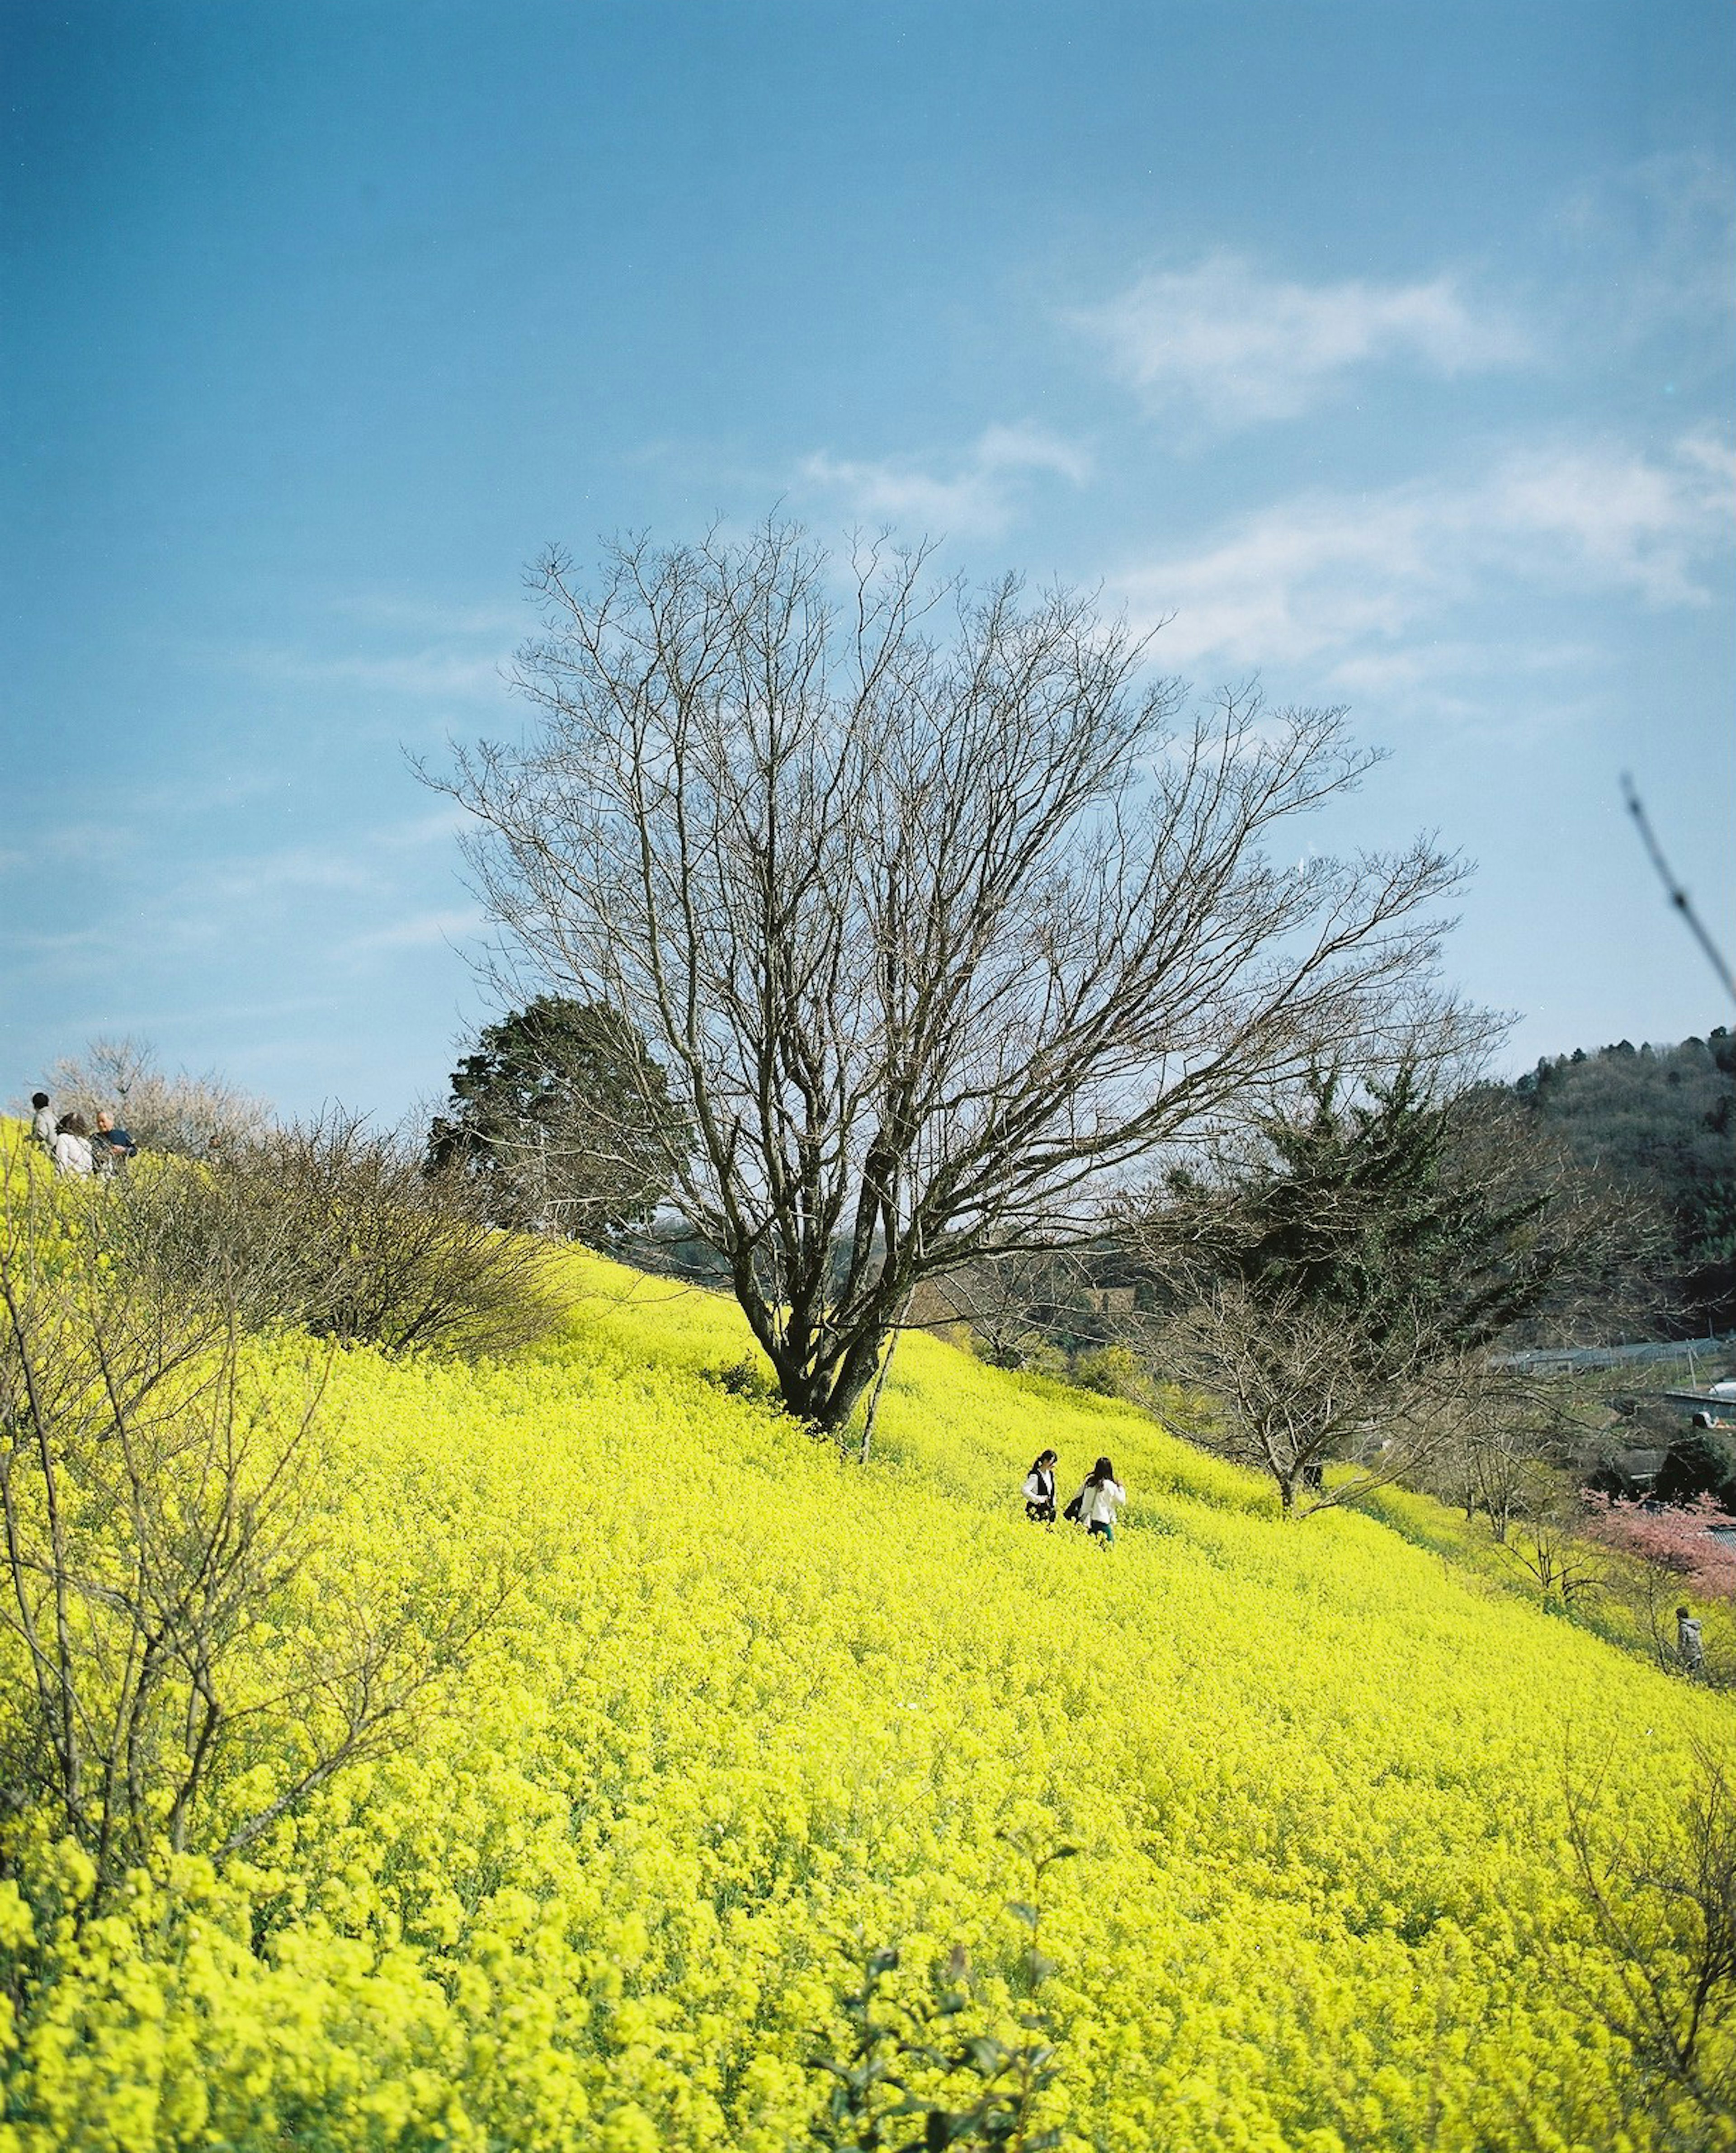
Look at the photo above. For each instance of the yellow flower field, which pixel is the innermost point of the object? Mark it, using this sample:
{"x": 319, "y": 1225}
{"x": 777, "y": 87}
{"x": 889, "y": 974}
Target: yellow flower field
{"x": 752, "y": 1711}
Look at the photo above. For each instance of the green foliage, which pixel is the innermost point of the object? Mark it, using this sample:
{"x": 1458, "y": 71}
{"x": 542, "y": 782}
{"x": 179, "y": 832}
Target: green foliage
{"x": 915, "y": 2065}
{"x": 563, "y": 1121}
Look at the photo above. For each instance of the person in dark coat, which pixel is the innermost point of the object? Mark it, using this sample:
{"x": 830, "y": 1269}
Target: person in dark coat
{"x": 1039, "y": 1489}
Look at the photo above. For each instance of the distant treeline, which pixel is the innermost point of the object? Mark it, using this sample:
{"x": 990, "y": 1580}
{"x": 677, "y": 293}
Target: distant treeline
{"x": 1660, "y": 1121}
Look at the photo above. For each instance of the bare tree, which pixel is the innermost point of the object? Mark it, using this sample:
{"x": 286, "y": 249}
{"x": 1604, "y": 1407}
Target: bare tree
{"x": 1271, "y": 1385}
{"x": 932, "y": 925}
{"x": 1501, "y": 1436}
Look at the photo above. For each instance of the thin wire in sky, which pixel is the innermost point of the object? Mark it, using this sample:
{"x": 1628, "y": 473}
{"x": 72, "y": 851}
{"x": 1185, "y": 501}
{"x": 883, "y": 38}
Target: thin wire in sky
{"x": 1677, "y": 895}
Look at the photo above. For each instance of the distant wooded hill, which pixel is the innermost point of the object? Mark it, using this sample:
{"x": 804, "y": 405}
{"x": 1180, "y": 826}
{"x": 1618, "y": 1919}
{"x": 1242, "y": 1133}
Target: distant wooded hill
{"x": 1661, "y": 1121}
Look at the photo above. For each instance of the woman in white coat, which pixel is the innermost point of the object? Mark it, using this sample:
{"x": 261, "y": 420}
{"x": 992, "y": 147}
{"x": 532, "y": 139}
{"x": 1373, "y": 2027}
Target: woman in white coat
{"x": 1097, "y": 1501}
{"x": 72, "y": 1148}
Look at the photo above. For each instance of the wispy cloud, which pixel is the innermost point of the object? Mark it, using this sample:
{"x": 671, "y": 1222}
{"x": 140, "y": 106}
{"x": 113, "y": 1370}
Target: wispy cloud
{"x": 294, "y": 871}
{"x": 84, "y": 845}
{"x": 422, "y": 930}
{"x": 435, "y": 674}
{"x": 438, "y": 826}
{"x": 1331, "y": 577}
{"x": 1669, "y": 222}
{"x": 429, "y": 618}
{"x": 1242, "y": 348}
{"x": 977, "y": 492}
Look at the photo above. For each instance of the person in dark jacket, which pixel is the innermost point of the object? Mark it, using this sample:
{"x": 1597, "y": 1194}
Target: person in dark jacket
{"x": 1039, "y": 1489}
{"x": 110, "y": 1145}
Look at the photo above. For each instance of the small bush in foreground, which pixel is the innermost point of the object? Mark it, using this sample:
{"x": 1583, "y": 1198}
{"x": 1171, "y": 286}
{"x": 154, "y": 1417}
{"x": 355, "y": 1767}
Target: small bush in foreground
{"x": 165, "y": 1520}
{"x": 1665, "y": 1910}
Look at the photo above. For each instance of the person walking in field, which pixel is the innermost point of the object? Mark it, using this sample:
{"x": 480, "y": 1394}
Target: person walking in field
{"x": 72, "y": 1148}
{"x": 43, "y": 1127}
{"x": 1097, "y": 1501}
{"x": 1039, "y": 1489}
{"x": 1689, "y": 1650}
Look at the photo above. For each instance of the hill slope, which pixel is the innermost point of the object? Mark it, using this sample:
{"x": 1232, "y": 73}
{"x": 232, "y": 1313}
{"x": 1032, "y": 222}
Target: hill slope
{"x": 753, "y": 1709}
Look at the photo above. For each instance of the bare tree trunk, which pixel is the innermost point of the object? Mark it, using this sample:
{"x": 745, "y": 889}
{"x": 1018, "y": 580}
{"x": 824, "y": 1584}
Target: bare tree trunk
{"x": 881, "y": 1373}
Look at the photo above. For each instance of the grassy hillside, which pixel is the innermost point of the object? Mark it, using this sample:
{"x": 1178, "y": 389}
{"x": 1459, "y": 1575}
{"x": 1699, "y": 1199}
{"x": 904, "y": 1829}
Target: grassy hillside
{"x": 753, "y": 1710}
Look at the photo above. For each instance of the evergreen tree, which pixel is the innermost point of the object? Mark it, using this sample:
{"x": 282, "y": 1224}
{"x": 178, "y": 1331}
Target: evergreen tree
{"x": 1329, "y": 1285}
{"x": 563, "y": 1121}
{"x": 1659, "y": 1121}
{"x": 1360, "y": 1209}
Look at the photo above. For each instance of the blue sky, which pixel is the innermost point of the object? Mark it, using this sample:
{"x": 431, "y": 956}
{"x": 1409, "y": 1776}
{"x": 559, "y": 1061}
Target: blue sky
{"x": 1387, "y": 352}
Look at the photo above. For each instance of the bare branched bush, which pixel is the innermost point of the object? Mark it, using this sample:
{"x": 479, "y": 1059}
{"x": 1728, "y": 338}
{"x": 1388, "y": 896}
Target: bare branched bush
{"x": 1663, "y": 1907}
{"x": 1016, "y": 1304}
{"x": 394, "y": 1256}
{"x": 338, "y": 1227}
{"x": 163, "y": 1518}
{"x": 1547, "y": 1539}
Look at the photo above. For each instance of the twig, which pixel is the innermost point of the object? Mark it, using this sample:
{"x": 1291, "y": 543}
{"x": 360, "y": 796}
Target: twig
{"x": 1677, "y": 895}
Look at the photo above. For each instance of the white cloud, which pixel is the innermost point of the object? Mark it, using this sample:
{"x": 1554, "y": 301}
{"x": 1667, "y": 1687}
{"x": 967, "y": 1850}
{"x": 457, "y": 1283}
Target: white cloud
{"x": 977, "y": 494}
{"x": 1335, "y": 578}
{"x": 1618, "y": 519}
{"x": 1244, "y": 348}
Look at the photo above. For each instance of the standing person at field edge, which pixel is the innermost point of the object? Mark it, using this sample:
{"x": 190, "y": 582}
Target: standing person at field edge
{"x": 1097, "y": 1501}
{"x": 1039, "y": 1489}
{"x": 1689, "y": 1650}
{"x": 43, "y": 1127}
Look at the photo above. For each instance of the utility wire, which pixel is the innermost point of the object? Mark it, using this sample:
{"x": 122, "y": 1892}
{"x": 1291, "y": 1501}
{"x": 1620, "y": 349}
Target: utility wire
{"x": 1677, "y": 895}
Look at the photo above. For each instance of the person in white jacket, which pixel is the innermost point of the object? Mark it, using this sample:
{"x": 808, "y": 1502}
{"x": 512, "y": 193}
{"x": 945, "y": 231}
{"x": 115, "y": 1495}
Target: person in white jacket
{"x": 1097, "y": 1501}
{"x": 72, "y": 1148}
{"x": 1039, "y": 1489}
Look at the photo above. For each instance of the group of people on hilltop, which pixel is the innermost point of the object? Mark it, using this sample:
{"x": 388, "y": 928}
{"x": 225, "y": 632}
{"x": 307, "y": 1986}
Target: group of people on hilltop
{"x": 1094, "y": 1506}
{"x": 80, "y": 1149}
